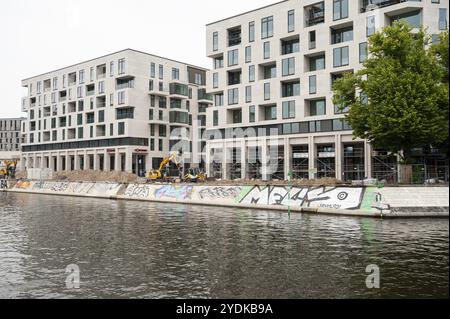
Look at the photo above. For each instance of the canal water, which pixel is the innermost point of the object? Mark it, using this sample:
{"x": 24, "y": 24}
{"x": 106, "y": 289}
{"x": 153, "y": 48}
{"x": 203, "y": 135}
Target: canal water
{"x": 144, "y": 250}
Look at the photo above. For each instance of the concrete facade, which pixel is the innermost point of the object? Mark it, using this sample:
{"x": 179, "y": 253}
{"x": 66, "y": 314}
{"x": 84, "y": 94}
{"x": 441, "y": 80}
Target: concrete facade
{"x": 11, "y": 139}
{"x": 116, "y": 112}
{"x": 271, "y": 81}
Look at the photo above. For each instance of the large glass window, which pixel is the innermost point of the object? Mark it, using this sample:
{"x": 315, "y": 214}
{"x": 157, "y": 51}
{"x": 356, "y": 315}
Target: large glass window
{"x": 270, "y": 113}
{"x": 290, "y": 46}
{"x": 370, "y": 25}
{"x": 312, "y": 84}
{"x": 317, "y": 108}
{"x": 266, "y": 50}
{"x": 248, "y": 54}
{"x": 341, "y": 35}
{"x": 251, "y": 31}
{"x": 252, "y": 114}
{"x": 340, "y": 57}
{"x": 362, "y": 52}
{"x": 442, "y": 19}
{"x": 267, "y": 27}
{"x": 288, "y": 109}
{"x": 317, "y": 63}
{"x": 288, "y": 66}
{"x": 248, "y": 94}
{"x": 414, "y": 18}
{"x": 289, "y": 89}
{"x": 233, "y": 57}
{"x": 315, "y": 14}
{"x": 340, "y": 9}
{"x": 233, "y": 96}
{"x": 215, "y": 41}
{"x": 291, "y": 21}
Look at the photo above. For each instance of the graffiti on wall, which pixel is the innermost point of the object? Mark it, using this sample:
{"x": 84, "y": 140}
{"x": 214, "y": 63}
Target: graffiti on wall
{"x": 137, "y": 191}
{"x": 314, "y": 197}
{"x": 219, "y": 192}
{"x": 174, "y": 192}
{"x": 3, "y": 184}
{"x": 22, "y": 185}
{"x": 51, "y": 186}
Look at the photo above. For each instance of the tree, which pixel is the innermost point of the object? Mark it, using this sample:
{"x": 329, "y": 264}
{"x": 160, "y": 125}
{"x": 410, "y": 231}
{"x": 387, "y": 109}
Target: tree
{"x": 399, "y": 99}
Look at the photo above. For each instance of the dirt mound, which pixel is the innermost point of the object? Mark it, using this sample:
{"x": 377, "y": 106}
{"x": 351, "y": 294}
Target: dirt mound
{"x": 96, "y": 176}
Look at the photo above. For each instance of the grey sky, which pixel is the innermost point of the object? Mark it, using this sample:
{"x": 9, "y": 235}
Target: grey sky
{"x": 42, "y": 35}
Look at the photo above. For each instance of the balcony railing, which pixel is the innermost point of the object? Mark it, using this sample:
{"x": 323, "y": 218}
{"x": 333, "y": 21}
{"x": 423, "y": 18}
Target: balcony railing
{"x": 375, "y": 4}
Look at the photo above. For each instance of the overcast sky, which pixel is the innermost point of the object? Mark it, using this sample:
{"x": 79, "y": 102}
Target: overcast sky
{"x": 38, "y": 36}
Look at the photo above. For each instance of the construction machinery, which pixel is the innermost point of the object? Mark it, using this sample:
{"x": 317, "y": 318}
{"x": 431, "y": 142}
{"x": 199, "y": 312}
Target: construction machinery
{"x": 8, "y": 169}
{"x": 194, "y": 175}
{"x": 162, "y": 173}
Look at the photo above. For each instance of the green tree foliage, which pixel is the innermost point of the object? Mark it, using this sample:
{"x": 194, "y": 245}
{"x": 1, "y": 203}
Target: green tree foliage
{"x": 404, "y": 81}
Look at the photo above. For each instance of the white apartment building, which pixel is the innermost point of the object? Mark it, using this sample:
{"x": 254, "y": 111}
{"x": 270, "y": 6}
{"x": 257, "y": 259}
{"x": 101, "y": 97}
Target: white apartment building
{"x": 125, "y": 112}
{"x": 11, "y": 139}
{"x": 272, "y": 76}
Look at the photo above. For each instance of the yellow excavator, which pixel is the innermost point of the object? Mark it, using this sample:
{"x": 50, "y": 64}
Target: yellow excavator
{"x": 8, "y": 169}
{"x": 161, "y": 173}
{"x": 194, "y": 175}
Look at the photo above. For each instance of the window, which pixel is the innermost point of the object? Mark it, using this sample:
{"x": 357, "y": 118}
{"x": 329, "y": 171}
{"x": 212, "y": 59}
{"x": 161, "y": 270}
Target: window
{"x": 290, "y": 89}
{"x": 340, "y": 57}
{"x": 215, "y": 41}
{"x": 215, "y": 118}
{"x": 218, "y": 100}
{"x": 233, "y": 57}
{"x": 218, "y": 62}
{"x": 234, "y": 77}
{"x": 288, "y": 109}
{"x": 198, "y": 78}
{"x": 442, "y": 19}
{"x": 162, "y": 102}
{"x": 161, "y": 72}
{"x": 251, "y": 73}
{"x": 248, "y": 94}
{"x": 340, "y": 9}
{"x": 315, "y": 14}
{"x": 126, "y": 113}
{"x": 251, "y": 32}
{"x": 288, "y": 66}
{"x": 291, "y": 21}
{"x": 121, "y": 66}
{"x": 121, "y": 97}
{"x": 175, "y": 74}
{"x": 252, "y": 114}
{"x": 414, "y": 18}
{"x": 362, "y": 52}
{"x": 55, "y": 83}
{"x": 91, "y": 74}
{"x": 270, "y": 113}
{"x": 162, "y": 131}
{"x": 290, "y": 46}
{"x": 312, "y": 40}
{"x": 111, "y": 68}
{"x": 215, "y": 80}
{"x": 266, "y": 91}
{"x": 234, "y": 36}
{"x": 248, "y": 54}
{"x": 121, "y": 128}
{"x": 152, "y": 70}
{"x": 312, "y": 84}
{"x": 317, "y": 63}
{"x": 81, "y": 76}
{"x": 233, "y": 96}
{"x": 237, "y": 116}
{"x": 266, "y": 27}
{"x": 270, "y": 71}
{"x": 370, "y": 25}
{"x": 317, "y": 108}
{"x": 266, "y": 50}
{"x": 341, "y": 35}
{"x": 101, "y": 87}
{"x": 101, "y": 116}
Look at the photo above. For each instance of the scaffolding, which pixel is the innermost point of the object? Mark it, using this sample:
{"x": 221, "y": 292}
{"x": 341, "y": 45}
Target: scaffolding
{"x": 276, "y": 164}
{"x": 254, "y": 164}
{"x": 326, "y": 161}
{"x": 354, "y": 162}
{"x": 300, "y": 162}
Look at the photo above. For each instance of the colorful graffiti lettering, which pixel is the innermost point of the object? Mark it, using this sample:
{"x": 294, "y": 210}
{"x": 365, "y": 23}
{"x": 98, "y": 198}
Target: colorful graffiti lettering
{"x": 174, "y": 192}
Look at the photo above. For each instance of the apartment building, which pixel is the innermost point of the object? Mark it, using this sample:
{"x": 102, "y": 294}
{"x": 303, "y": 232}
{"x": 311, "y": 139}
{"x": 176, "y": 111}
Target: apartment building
{"x": 125, "y": 112}
{"x": 272, "y": 76}
{"x": 11, "y": 139}
{"x": 10, "y": 134}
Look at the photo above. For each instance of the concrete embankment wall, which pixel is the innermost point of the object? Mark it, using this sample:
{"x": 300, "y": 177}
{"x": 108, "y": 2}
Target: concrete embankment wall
{"x": 353, "y": 201}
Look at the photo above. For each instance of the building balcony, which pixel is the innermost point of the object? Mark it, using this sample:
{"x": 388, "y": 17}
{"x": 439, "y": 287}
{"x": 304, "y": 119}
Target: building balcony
{"x": 368, "y": 5}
